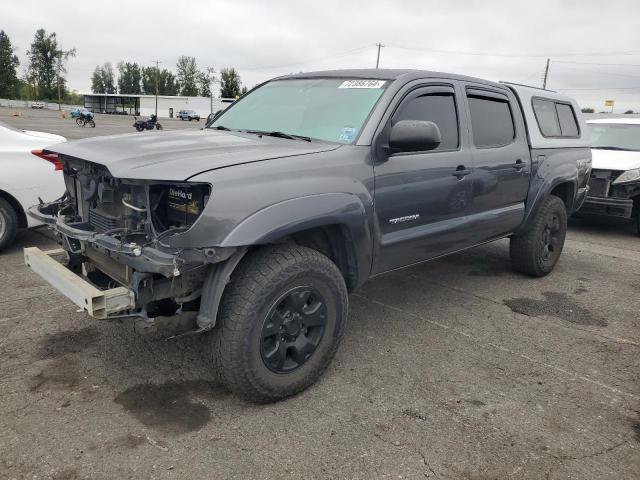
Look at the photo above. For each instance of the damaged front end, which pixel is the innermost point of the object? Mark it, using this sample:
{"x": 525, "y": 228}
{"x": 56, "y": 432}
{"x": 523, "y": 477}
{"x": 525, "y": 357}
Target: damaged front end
{"x": 116, "y": 234}
{"x": 613, "y": 193}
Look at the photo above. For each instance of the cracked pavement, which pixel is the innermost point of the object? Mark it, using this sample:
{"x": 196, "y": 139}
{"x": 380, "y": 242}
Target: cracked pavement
{"x": 457, "y": 368}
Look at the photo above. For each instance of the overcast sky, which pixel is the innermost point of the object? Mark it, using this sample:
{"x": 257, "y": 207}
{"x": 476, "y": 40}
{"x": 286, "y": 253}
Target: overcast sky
{"x": 498, "y": 40}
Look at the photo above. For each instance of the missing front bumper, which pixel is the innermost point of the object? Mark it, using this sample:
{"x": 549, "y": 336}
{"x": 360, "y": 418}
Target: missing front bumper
{"x": 607, "y": 206}
{"x": 97, "y": 303}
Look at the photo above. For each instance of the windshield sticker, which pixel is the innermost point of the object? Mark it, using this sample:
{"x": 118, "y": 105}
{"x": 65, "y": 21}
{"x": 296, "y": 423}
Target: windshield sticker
{"x": 362, "y": 84}
{"x": 347, "y": 134}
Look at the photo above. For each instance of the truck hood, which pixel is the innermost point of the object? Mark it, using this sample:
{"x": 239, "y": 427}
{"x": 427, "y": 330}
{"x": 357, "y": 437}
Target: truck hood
{"x": 614, "y": 159}
{"x": 179, "y": 155}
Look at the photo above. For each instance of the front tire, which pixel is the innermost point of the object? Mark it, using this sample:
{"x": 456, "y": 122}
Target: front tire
{"x": 8, "y": 224}
{"x": 158, "y": 126}
{"x": 537, "y": 251}
{"x": 281, "y": 320}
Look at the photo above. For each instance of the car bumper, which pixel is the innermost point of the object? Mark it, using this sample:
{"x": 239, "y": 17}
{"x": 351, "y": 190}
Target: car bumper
{"x": 97, "y": 303}
{"x": 607, "y": 206}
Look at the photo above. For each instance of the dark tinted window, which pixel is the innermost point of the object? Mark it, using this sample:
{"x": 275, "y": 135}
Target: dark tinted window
{"x": 547, "y": 117}
{"x": 438, "y": 108}
{"x": 568, "y": 125}
{"x": 491, "y": 121}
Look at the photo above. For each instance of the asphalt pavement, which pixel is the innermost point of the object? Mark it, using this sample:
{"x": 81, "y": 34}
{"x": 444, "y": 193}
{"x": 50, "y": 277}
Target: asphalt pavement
{"x": 454, "y": 369}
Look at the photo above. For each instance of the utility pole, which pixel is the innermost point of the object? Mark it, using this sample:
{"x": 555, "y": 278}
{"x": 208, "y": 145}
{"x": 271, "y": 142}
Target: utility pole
{"x": 58, "y": 78}
{"x": 157, "y": 62}
{"x": 379, "y": 45}
{"x": 211, "y": 72}
{"x": 546, "y": 74}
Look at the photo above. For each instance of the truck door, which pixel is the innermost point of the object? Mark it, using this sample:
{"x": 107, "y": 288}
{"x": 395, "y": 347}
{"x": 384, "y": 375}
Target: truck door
{"x": 501, "y": 161}
{"x": 421, "y": 198}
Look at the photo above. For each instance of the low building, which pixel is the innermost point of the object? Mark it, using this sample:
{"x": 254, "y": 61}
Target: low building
{"x": 145, "y": 105}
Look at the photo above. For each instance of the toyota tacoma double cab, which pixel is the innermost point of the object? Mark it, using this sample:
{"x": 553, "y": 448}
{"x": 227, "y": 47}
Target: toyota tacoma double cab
{"x": 254, "y": 229}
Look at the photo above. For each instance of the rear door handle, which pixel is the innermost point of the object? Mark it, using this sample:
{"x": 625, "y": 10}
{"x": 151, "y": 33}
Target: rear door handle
{"x": 461, "y": 172}
{"x": 519, "y": 165}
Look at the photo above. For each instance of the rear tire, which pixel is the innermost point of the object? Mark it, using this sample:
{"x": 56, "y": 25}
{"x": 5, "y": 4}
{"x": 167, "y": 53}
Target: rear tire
{"x": 281, "y": 320}
{"x": 537, "y": 251}
{"x": 8, "y": 224}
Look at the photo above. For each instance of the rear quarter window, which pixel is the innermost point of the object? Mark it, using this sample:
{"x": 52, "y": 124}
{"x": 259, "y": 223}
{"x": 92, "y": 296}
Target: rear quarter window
{"x": 568, "y": 124}
{"x": 555, "y": 119}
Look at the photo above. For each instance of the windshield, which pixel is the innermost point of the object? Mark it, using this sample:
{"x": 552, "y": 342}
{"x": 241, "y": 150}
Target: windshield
{"x": 618, "y": 136}
{"x": 321, "y": 108}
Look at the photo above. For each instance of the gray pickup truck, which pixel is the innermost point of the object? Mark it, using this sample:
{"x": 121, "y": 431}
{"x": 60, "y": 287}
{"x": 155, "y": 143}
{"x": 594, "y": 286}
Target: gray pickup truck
{"x": 255, "y": 228}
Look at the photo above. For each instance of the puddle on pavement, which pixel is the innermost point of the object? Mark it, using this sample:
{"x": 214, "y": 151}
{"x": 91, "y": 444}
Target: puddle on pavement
{"x": 559, "y": 305}
{"x": 170, "y": 407}
{"x": 61, "y": 373}
{"x": 69, "y": 341}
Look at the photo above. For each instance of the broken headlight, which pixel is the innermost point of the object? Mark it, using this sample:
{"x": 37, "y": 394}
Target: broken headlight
{"x": 177, "y": 206}
{"x": 628, "y": 176}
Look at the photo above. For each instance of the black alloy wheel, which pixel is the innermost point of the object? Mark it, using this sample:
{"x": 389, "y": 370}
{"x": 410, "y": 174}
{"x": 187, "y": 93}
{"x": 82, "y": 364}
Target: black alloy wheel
{"x": 293, "y": 329}
{"x": 550, "y": 237}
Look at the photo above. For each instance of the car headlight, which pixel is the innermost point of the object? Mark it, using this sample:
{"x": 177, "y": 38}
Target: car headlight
{"x": 628, "y": 176}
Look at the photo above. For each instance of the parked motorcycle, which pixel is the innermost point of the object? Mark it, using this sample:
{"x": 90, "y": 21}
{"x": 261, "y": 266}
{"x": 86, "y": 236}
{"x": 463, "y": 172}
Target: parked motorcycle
{"x": 149, "y": 124}
{"x": 84, "y": 119}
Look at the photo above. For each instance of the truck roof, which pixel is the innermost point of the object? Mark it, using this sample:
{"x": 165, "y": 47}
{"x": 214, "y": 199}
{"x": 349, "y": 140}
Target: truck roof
{"x": 524, "y": 94}
{"x": 406, "y": 74}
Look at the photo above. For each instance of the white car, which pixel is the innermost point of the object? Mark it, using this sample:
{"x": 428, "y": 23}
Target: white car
{"x": 28, "y": 175}
{"x": 39, "y": 105}
{"x": 614, "y": 186}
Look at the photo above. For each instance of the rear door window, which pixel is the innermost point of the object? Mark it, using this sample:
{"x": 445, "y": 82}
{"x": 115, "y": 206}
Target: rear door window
{"x": 491, "y": 120}
{"x": 439, "y": 108}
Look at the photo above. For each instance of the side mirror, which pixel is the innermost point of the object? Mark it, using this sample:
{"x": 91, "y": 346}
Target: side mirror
{"x": 414, "y": 136}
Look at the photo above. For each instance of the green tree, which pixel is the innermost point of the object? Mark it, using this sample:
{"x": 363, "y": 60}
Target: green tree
{"x": 188, "y": 74}
{"x": 47, "y": 65}
{"x": 629, "y": 112}
{"x": 244, "y": 90}
{"x": 588, "y": 110}
{"x": 204, "y": 84}
{"x": 167, "y": 83}
{"x": 43, "y": 62}
{"x": 97, "y": 82}
{"x": 171, "y": 84}
{"x": 230, "y": 83}
{"x": 9, "y": 83}
{"x": 129, "y": 78}
{"x": 108, "y": 78}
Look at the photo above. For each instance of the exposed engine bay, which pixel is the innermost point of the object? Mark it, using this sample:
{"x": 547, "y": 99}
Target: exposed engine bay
{"x": 114, "y": 232}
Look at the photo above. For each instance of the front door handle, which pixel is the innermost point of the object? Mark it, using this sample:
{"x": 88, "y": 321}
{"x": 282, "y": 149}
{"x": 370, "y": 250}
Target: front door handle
{"x": 519, "y": 165}
{"x": 461, "y": 172}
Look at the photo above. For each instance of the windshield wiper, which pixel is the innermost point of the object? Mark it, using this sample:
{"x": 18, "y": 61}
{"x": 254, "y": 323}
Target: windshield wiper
{"x": 290, "y": 136}
{"x": 613, "y": 148}
{"x": 220, "y": 127}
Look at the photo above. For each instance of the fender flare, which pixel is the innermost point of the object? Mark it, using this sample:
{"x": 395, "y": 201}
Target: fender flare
{"x": 294, "y": 215}
{"x": 541, "y": 195}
